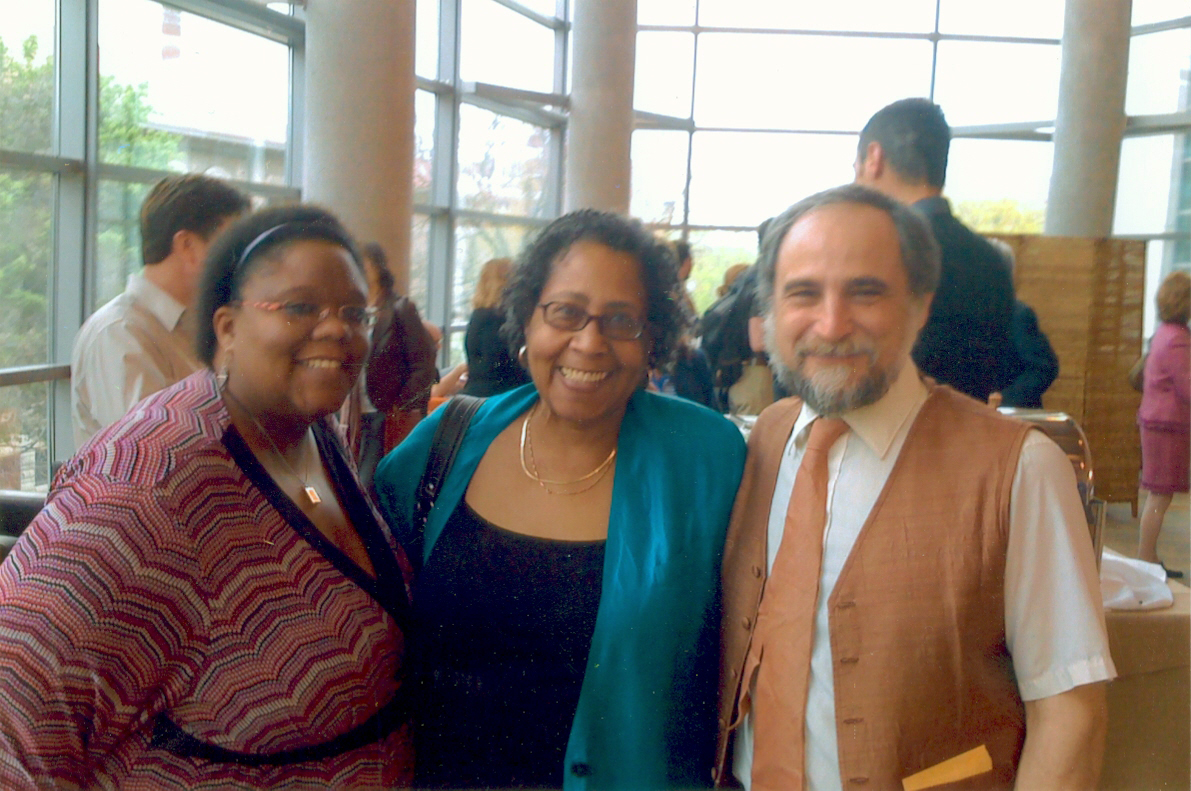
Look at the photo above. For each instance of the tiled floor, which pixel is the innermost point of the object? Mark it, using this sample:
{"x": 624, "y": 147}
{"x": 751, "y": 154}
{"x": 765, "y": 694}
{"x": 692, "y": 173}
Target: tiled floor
{"x": 1174, "y": 544}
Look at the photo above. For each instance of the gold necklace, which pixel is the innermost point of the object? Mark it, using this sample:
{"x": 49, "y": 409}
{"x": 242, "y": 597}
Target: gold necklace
{"x": 310, "y": 492}
{"x": 527, "y": 442}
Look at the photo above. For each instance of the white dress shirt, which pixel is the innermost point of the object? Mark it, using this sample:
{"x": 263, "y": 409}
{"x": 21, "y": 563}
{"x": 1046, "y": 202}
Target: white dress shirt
{"x": 135, "y": 345}
{"x": 1054, "y": 622}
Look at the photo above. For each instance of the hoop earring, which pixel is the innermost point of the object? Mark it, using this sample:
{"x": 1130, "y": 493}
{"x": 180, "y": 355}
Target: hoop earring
{"x": 523, "y": 357}
{"x": 221, "y": 375}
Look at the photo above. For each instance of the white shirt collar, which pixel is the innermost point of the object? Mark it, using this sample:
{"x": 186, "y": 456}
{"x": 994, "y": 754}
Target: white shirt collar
{"x": 878, "y": 424}
{"x": 164, "y": 307}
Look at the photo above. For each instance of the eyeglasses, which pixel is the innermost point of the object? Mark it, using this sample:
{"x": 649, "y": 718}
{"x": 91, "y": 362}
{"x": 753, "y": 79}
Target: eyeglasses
{"x": 615, "y": 326}
{"x": 312, "y": 314}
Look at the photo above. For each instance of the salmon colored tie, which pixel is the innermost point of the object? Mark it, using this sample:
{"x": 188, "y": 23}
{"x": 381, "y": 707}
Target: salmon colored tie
{"x": 786, "y": 623}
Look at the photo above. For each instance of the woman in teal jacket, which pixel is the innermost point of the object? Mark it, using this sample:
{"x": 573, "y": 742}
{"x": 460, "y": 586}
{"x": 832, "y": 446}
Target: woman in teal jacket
{"x": 567, "y": 613}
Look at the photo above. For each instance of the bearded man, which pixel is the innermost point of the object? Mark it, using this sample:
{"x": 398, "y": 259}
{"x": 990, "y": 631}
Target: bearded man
{"x": 909, "y": 585}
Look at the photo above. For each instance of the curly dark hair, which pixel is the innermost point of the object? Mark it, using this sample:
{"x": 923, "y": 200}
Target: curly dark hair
{"x": 664, "y": 319}
{"x": 238, "y": 251}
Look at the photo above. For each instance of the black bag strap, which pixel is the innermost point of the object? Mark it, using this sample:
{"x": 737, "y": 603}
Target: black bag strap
{"x": 443, "y": 448}
{"x": 167, "y": 735}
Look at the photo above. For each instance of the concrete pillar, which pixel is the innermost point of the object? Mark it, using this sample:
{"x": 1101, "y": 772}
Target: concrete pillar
{"x": 604, "y": 47}
{"x": 359, "y": 147}
{"x": 1091, "y": 119}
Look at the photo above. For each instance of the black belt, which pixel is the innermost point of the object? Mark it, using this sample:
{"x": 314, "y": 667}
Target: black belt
{"x": 168, "y": 736}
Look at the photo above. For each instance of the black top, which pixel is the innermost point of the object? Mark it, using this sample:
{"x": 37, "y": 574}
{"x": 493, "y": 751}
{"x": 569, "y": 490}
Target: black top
{"x": 966, "y": 342}
{"x": 1035, "y": 364}
{"x": 503, "y": 623}
{"x": 491, "y": 369}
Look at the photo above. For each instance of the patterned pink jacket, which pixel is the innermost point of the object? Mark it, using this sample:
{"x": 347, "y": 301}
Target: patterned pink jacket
{"x": 168, "y": 582}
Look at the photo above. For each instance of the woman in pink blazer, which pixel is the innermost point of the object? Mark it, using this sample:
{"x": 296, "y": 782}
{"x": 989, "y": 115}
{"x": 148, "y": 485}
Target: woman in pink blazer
{"x": 1165, "y": 413}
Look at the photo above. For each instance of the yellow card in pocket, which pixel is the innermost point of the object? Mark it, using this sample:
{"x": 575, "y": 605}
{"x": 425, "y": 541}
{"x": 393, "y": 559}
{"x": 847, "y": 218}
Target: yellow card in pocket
{"x": 961, "y": 767}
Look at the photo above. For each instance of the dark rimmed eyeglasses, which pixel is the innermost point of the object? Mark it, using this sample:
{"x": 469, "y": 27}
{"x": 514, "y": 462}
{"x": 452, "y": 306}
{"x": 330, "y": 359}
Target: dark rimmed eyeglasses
{"x": 313, "y": 314}
{"x": 569, "y": 317}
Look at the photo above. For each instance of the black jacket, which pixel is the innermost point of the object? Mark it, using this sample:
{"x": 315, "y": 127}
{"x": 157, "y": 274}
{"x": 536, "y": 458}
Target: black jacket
{"x": 1035, "y": 363}
{"x": 966, "y": 342}
{"x": 491, "y": 369}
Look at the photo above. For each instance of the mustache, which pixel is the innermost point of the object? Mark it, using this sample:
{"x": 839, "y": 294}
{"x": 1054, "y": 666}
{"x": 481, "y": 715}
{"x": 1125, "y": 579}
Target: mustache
{"x": 845, "y": 348}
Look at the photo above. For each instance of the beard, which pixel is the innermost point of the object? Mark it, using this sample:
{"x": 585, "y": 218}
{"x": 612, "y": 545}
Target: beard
{"x": 829, "y": 391}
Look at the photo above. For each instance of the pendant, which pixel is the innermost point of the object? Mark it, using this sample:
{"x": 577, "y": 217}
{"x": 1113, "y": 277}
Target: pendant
{"x": 312, "y": 495}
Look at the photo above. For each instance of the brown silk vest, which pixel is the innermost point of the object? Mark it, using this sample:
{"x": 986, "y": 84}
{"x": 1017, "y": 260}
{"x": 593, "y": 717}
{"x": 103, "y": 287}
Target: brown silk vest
{"x": 917, "y": 616}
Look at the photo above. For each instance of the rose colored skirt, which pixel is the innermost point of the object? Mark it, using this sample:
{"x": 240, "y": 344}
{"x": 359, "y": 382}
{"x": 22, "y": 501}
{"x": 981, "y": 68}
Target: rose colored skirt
{"x": 1164, "y": 460}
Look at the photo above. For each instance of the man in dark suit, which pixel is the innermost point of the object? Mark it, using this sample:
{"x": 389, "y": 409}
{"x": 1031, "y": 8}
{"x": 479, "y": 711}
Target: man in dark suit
{"x": 966, "y": 342}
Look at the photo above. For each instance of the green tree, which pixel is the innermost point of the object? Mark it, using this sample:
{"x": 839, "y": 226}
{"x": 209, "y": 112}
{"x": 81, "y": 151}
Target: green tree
{"x": 1001, "y": 216}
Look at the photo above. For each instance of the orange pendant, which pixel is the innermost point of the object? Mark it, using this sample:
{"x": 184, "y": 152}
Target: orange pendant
{"x": 312, "y": 496}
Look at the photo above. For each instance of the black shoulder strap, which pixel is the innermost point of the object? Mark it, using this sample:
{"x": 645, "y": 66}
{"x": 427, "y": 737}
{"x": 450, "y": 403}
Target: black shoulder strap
{"x": 443, "y": 448}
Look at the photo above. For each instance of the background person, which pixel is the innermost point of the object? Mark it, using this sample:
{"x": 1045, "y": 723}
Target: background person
{"x": 143, "y": 340}
{"x": 398, "y": 375}
{"x": 208, "y": 600}
{"x": 1165, "y": 413}
{"x": 967, "y": 340}
{"x": 578, "y": 494}
{"x": 491, "y": 368}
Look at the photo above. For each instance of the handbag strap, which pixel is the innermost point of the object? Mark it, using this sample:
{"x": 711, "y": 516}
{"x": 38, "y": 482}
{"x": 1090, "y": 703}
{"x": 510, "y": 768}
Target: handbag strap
{"x": 444, "y": 446}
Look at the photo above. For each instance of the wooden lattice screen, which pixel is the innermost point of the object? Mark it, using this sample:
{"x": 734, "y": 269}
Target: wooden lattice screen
{"x": 1089, "y": 295}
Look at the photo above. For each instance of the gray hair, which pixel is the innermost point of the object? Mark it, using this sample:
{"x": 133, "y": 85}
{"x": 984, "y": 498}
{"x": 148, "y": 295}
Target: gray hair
{"x": 919, "y": 250}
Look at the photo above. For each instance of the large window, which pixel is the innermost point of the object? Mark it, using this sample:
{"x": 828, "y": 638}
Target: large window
{"x": 747, "y": 107}
{"x": 489, "y": 137}
{"x": 1154, "y": 189}
{"x": 177, "y": 91}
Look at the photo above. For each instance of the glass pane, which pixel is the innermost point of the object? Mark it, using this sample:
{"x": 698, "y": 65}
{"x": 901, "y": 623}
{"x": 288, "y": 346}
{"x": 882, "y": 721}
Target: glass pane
{"x": 119, "y": 237}
{"x": 426, "y": 39}
{"x": 26, "y": 252}
{"x": 27, "y": 37}
{"x": 713, "y": 253}
{"x": 1024, "y": 18}
{"x": 905, "y": 16}
{"x": 476, "y": 244}
{"x": 500, "y": 46}
{"x": 24, "y": 437}
{"x": 659, "y": 175}
{"x": 504, "y": 163}
{"x": 1147, "y": 11}
{"x": 1000, "y": 185}
{"x": 419, "y": 257}
{"x": 1148, "y": 185}
{"x": 424, "y": 119}
{"x": 184, "y": 93}
{"x": 665, "y": 12}
{"x": 543, "y": 7}
{"x": 735, "y": 86}
{"x": 1158, "y": 64}
{"x": 662, "y": 83}
{"x": 989, "y": 83}
{"x": 725, "y": 167}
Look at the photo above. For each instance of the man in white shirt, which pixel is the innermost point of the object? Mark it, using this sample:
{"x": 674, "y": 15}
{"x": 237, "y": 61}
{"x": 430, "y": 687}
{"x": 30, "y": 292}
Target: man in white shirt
{"x": 143, "y": 340}
{"x": 937, "y": 608}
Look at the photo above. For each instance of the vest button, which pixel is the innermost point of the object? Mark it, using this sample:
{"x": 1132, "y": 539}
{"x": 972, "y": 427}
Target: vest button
{"x": 580, "y": 769}
{"x": 853, "y": 720}
{"x": 849, "y": 660}
{"x": 735, "y": 674}
{"x": 757, "y": 572}
{"x": 722, "y": 722}
{"x": 746, "y": 622}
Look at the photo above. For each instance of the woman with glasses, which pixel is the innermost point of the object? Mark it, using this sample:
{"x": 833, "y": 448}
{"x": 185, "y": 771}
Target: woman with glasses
{"x": 566, "y": 618}
{"x": 208, "y": 600}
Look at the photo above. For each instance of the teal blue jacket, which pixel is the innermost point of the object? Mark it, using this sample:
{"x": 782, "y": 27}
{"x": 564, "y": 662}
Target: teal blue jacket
{"x": 646, "y": 715}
